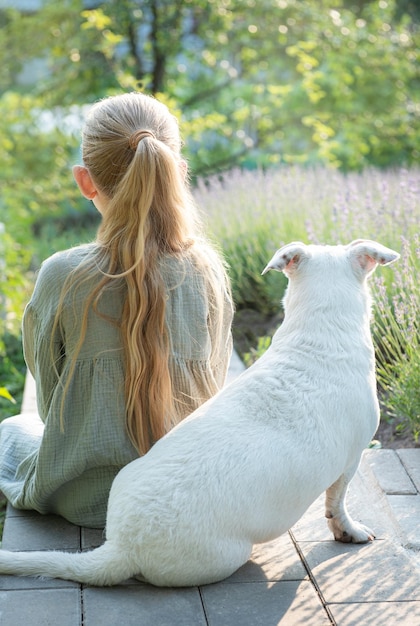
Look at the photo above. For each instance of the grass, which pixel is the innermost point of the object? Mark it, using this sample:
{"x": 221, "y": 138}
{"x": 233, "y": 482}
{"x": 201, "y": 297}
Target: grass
{"x": 397, "y": 330}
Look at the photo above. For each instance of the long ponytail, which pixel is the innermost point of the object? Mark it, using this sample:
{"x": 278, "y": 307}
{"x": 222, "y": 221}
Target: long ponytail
{"x": 131, "y": 147}
{"x": 136, "y": 230}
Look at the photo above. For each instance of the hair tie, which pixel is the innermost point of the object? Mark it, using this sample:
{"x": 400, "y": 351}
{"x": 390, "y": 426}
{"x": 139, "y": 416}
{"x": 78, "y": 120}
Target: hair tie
{"x": 137, "y": 136}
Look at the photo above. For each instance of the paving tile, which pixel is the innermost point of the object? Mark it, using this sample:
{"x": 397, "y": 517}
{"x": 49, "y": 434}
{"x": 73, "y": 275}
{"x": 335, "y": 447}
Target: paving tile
{"x": 12, "y": 512}
{"x": 410, "y": 458}
{"x": 373, "y": 572}
{"x": 41, "y": 607}
{"x": 92, "y": 538}
{"x": 390, "y": 472}
{"x": 273, "y": 561}
{"x": 415, "y": 557}
{"x": 40, "y": 532}
{"x": 366, "y": 502}
{"x": 142, "y": 604}
{"x": 407, "y": 512}
{"x": 288, "y": 603}
{"x": 12, "y": 583}
{"x": 312, "y": 526}
{"x": 380, "y": 613}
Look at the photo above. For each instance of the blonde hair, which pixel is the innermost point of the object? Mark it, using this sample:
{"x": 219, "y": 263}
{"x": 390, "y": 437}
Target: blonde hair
{"x": 131, "y": 148}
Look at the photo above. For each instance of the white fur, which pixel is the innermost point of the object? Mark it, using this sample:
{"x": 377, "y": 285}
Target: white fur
{"x": 244, "y": 467}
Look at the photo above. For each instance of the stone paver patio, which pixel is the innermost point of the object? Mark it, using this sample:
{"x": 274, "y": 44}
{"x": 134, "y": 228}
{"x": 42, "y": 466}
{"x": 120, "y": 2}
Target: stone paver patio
{"x": 304, "y": 577}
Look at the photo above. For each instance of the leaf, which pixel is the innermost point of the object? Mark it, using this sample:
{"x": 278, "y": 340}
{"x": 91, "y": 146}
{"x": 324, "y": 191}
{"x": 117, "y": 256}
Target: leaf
{"x": 5, "y": 394}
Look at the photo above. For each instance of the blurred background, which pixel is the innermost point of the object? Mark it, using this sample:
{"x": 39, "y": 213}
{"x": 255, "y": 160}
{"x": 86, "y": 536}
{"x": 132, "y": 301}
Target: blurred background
{"x": 300, "y": 121}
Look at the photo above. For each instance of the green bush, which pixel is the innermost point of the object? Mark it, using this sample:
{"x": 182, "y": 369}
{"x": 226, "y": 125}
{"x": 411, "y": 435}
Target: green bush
{"x": 397, "y": 334}
{"x": 12, "y": 375}
{"x": 14, "y": 291}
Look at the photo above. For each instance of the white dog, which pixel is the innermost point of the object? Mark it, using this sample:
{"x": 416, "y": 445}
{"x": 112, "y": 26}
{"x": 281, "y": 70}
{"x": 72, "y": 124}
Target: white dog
{"x": 245, "y": 466}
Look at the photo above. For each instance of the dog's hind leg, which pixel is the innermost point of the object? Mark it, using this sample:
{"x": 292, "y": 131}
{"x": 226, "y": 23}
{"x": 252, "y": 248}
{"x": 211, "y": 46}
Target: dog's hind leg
{"x": 343, "y": 527}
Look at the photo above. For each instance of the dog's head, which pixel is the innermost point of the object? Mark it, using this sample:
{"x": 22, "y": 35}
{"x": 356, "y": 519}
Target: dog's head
{"x": 363, "y": 256}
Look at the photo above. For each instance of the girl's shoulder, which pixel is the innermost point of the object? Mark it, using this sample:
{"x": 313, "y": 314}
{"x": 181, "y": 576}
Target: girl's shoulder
{"x": 55, "y": 270}
{"x": 60, "y": 264}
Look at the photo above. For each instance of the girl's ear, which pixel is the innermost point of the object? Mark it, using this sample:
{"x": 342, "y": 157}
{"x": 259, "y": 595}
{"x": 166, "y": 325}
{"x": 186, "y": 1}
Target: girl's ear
{"x": 84, "y": 182}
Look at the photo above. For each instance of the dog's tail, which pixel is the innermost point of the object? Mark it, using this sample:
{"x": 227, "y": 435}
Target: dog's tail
{"x": 106, "y": 565}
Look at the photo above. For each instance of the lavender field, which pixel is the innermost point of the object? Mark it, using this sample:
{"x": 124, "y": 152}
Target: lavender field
{"x": 251, "y": 214}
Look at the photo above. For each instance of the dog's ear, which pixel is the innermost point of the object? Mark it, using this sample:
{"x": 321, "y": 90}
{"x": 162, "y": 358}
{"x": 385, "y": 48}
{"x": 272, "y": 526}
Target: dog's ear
{"x": 365, "y": 255}
{"x": 287, "y": 258}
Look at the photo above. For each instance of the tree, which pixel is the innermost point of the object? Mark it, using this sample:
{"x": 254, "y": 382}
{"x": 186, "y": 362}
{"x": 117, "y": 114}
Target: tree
{"x": 248, "y": 71}
{"x": 254, "y": 82}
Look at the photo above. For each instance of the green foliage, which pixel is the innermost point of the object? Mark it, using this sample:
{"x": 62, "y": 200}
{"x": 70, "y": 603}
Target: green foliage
{"x": 37, "y": 196}
{"x": 4, "y": 393}
{"x": 252, "y": 214}
{"x": 14, "y": 260}
{"x": 258, "y": 83}
{"x": 306, "y": 82}
{"x": 397, "y": 332}
{"x": 346, "y": 67}
{"x": 247, "y": 252}
{"x": 243, "y": 214}
{"x": 255, "y": 353}
{"x": 12, "y": 375}
{"x": 403, "y": 395}
{"x": 36, "y": 150}
{"x": 13, "y": 296}
{"x": 68, "y": 62}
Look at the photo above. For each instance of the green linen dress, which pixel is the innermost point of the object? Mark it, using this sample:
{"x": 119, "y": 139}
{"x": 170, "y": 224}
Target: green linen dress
{"x": 67, "y": 466}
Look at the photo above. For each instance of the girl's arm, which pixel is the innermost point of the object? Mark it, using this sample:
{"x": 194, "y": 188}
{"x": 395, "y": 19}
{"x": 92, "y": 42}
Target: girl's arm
{"x": 43, "y": 346}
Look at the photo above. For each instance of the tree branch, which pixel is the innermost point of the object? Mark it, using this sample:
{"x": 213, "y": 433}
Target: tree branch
{"x": 206, "y": 93}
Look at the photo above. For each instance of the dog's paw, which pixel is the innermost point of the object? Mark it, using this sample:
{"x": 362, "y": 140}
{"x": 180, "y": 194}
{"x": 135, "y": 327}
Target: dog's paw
{"x": 349, "y": 531}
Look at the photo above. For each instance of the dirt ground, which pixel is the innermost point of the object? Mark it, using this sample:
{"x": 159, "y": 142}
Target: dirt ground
{"x": 249, "y": 325}
{"x": 389, "y": 437}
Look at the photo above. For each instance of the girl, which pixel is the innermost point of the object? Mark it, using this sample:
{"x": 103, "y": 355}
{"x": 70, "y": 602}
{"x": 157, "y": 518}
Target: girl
{"x": 125, "y": 336}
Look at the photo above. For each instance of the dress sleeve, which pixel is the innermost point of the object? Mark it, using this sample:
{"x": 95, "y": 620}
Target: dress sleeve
{"x": 43, "y": 346}
{"x": 28, "y": 338}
